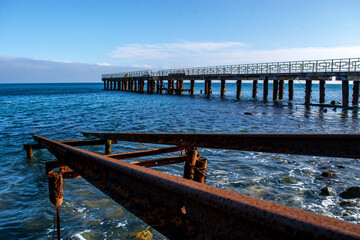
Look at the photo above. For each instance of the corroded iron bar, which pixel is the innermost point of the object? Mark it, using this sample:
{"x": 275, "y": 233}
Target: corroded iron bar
{"x": 72, "y": 142}
{"x": 145, "y": 153}
{"x": 329, "y": 145}
{"x": 160, "y": 161}
{"x": 183, "y": 209}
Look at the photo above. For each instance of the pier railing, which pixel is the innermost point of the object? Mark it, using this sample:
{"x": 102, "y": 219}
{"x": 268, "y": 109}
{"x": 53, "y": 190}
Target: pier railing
{"x": 292, "y": 67}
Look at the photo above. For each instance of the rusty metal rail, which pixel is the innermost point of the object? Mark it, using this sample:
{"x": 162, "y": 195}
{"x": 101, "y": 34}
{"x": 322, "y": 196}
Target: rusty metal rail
{"x": 327, "y": 145}
{"x": 184, "y": 209}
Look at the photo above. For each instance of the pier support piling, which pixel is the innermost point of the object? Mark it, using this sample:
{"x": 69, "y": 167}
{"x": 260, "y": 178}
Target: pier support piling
{"x": 291, "y": 89}
{"x": 108, "y": 147}
{"x": 345, "y": 93}
{"x": 308, "y": 86}
{"x": 266, "y": 88}
{"x": 322, "y": 91}
{"x": 355, "y": 100}
{"x": 223, "y": 87}
{"x": 161, "y": 86}
{"x": 192, "y": 86}
{"x": 255, "y": 86}
{"x": 281, "y": 89}
{"x": 275, "y": 89}
{"x": 238, "y": 89}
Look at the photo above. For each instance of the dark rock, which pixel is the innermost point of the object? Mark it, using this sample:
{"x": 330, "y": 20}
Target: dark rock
{"x": 328, "y": 173}
{"x": 327, "y": 191}
{"x": 351, "y": 192}
{"x": 333, "y": 102}
{"x": 249, "y": 113}
{"x": 287, "y": 179}
{"x": 346, "y": 203}
{"x": 340, "y": 166}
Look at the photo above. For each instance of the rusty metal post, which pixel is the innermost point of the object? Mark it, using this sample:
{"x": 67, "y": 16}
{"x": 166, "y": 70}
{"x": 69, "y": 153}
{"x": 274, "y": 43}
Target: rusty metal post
{"x": 206, "y": 87}
{"x": 177, "y": 87}
{"x": 107, "y": 85}
{"x": 200, "y": 170}
{"x": 281, "y": 89}
{"x": 29, "y": 151}
{"x": 275, "y": 89}
{"x": 223, "y": 87}
{"x": 254, "y": 90}
{"x": 157, "y": 86}
{"x": 345, "y": 93}
{"x": 111, "y": 85}
{"x": 172, "y": 86}
{"x": 266, "y": 88}
{"x": 192, "y": 86}
{"x": 355, "y": 100}
{"x": 153, "y": 86}
{"x": 322, "y": 91}
{"x": 108, "y": 147}
{"x": 191, "y": 157}
{"x": 104, "y": 85}
{"x": 136, "y": 85}
{"x": 291, "y": 89}
{"x": 238, "y": 89}
{"x": 308, "y": 85}
{"x": 181, "y": 86}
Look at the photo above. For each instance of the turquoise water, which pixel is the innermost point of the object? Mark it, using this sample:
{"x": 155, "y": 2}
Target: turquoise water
{"x": 61, "y": 111}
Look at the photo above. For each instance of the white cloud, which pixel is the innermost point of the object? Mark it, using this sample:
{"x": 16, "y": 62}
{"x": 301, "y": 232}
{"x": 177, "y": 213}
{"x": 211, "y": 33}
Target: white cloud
{"x": 104, "y": 64}
{"x": 188, "y": 54}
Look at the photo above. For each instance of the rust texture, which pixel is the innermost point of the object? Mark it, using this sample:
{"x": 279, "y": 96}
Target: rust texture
{"x": 184, "y": 209}
{"x": 327, "y": 145}
{"x": 144, "y": 153}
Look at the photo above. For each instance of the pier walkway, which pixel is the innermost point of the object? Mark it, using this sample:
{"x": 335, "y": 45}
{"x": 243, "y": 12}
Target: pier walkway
{"x": 279, "y": 73}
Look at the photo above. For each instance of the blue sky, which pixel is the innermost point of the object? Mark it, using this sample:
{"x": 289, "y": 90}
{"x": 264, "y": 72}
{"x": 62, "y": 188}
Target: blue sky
{"x": 106, "y": 36}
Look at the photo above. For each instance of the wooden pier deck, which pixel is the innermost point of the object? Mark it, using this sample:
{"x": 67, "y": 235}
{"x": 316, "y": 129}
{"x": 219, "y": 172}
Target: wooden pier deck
{"x": 279, "y": 73}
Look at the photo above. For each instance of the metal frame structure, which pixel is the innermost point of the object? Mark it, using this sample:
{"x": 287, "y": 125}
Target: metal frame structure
{"x": 183, "y": 209}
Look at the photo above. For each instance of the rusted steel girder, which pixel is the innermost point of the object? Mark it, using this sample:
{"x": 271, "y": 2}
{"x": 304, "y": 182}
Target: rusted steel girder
{"x": 145, "y": 153}
{"x": 184, "y": 209}
{"x": 328, "y": 145}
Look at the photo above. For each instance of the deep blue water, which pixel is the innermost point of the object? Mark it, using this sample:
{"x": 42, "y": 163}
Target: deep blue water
{"x": 61, "y": 111}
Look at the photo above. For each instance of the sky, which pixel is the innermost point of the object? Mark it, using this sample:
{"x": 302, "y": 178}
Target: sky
{"x": 77, "y": 40}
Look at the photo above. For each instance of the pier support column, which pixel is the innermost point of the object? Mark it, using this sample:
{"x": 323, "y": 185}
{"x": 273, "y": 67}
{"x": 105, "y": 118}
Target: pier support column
{"x": 266, "y": 89}
{"x": 29, "y": 151}
{"x": 136, "y": 85}
{"x": 308, "y": 85}
{"x": 104, "y": 85}
{"x": 345, "y": 93}
{"x": 172, "y": 86}
{"x": 148, "y": 86}
{"x": 158, "y": 86}
{"x": 112, "y": 85}
{"x": 142, "y": 89}
{"x": 281, "y": 89}
{"x": 291, "y": 89}
{"x": 322, "y": 91}
{"x": 254, "y": 90}
{"x": 189, "y": 168}
{"x": 181, "y": 82}
{"x": 192, "y": 86}
{"x": 161, "y": 86}
{"x": 238, "y": 89}
{"x": 355, "y": 100}
{"x": 178, "y": 87}
{"x": 275, "y": 89}
{"x": 223, "y": 88}
{"x": 206, "y": 87}
{"x": 209, "y": 91}
{"x": 153, "y": 86}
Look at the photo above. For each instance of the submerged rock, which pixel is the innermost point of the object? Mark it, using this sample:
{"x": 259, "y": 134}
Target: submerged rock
{"x": 351, "y": 192}
{"x": 334, "y": 102}
{"x": 287, "y": 179}
{"x": 327, "y": 191}
{"x": 144, "y": 235}
{"x": 249, "y": 113}
{"x": 328, "y": 173}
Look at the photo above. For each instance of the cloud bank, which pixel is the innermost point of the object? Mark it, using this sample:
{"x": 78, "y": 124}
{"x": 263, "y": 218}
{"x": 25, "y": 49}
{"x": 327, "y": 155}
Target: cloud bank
{"x": 24, "y": 70}
{"x": 187, "y": 54}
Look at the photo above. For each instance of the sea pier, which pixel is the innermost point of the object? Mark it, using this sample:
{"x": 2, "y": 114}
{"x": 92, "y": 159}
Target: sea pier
{"x": 186, "y": 207}
{"x": 276, "y": 73}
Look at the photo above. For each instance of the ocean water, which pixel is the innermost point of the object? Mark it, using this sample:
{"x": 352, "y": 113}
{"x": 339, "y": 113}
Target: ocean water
{"x": 62, "y": 111}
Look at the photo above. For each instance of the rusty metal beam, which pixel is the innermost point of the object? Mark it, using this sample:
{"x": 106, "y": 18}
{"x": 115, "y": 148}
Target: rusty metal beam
{"x": 71, "y": 142}
{"x": 184, "y": 209}
{"x": 144, "y": 153}
{"x": 160, "y": 161}
{"x": 328, "y": 145}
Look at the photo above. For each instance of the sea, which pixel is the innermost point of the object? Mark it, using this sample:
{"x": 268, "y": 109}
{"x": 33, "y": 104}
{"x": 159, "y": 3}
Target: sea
{"x": 62, "y": 111}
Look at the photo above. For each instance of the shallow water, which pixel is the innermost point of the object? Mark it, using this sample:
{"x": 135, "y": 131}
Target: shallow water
{"x": 61, "y": 111}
